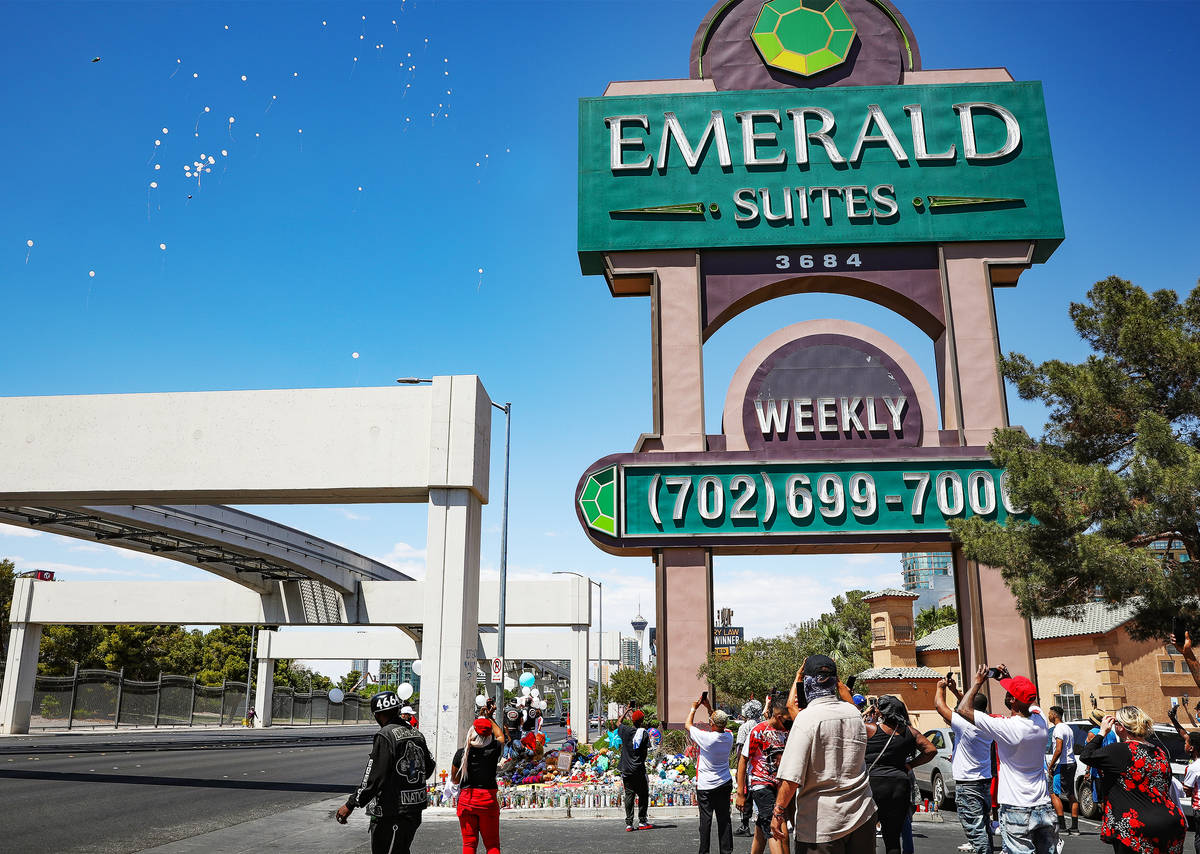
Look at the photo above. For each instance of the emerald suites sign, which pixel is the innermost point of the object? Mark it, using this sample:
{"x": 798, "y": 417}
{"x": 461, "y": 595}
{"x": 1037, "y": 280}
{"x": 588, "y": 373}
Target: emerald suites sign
{"x": 845, "y": 165}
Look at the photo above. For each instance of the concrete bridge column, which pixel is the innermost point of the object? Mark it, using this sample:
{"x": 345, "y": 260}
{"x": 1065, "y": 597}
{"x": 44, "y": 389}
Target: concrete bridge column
{"x": 266, "y": 692}
{"x": 451, "y": 628}
{"x": 579, "y": 682}
{"x": 20, "y": 667}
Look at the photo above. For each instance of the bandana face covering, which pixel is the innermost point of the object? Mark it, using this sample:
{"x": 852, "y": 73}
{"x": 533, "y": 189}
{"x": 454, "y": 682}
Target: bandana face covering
{"x": 816, "y": 687}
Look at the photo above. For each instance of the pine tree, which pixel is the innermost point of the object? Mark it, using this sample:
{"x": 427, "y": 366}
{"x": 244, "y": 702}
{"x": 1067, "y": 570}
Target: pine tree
{"x": 1117, "y": 468}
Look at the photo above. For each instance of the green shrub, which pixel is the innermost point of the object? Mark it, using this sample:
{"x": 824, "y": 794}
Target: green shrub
{"x": 51, "y": 707}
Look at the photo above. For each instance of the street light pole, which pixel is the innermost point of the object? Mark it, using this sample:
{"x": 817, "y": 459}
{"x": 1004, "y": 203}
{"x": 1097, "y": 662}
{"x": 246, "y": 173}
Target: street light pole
{"x": 507, "y": 409}
{"x": 599, "y": 657}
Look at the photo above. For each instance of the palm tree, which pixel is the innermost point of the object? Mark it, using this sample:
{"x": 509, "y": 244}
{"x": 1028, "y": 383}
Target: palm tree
{"x": 841, "y": 643}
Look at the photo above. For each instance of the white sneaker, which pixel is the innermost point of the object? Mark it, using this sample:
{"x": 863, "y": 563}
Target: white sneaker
{"x": 966, "y": 846}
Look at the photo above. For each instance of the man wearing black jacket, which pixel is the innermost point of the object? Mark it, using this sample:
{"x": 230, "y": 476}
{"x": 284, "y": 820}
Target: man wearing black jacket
{"x": 394, "y": 781}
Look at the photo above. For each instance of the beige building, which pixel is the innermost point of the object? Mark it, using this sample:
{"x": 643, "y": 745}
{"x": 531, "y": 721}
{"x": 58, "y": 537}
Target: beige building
{"x": 1079, "y": 662}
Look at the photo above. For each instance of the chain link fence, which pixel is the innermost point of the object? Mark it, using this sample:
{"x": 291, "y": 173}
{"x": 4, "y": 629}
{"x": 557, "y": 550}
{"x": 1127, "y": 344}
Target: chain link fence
{"x": 92, "y": 699}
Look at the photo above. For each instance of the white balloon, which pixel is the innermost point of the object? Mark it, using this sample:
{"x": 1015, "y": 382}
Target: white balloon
{"x": 404, "y": 691}
{"x": 153, "y": 185}
{"x": 535, "y": 693}
{"x": 162, "y": 246}
{"x": 480, "y": 701}
{"x": 336, "y": 695}
{"x": 524, "y": 691}
{"x": 416, "y": 665}
{"x": 29, "y": 243}
{"x": 91, "y": 274}
{"x": 355, "y": 356}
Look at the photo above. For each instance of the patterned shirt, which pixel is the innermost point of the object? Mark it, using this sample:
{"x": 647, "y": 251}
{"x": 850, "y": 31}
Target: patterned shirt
{"x": 1139, "y": 811}
{"x": 763, "y": 750}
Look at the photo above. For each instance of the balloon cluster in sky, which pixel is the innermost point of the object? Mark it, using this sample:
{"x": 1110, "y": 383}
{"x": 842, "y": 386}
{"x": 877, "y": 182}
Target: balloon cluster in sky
{"x": 220, "y": 137}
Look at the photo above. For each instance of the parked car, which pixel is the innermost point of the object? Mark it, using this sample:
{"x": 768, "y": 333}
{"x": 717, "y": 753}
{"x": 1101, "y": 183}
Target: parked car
{"x": 934, "y": 778}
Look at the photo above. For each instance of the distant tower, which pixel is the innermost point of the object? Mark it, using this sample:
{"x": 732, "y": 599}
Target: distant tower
{"x": 639, "y": 628}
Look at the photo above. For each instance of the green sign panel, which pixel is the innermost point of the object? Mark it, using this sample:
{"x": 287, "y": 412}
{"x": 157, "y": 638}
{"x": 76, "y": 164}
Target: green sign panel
{"x": 839, "y": 165}
{"x": 791, "y": 500}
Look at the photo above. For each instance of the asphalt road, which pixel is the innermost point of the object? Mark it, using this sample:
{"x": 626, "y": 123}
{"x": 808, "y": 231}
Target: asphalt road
{"x": 126, "y": 801}
{"x": 677, "y": 836}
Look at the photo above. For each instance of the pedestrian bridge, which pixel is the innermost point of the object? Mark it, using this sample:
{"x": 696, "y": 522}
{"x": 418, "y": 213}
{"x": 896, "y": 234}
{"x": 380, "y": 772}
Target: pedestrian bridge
{"x": 233, "y": 544}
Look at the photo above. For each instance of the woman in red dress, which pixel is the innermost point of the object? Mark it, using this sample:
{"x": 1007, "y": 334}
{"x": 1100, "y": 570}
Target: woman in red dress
{"x": 1140, "y": 815}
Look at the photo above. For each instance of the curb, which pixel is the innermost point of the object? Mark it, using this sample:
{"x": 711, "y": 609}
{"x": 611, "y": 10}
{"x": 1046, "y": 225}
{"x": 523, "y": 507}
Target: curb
{"x": 85, "y": 743}
{"x": 560, "y": 813}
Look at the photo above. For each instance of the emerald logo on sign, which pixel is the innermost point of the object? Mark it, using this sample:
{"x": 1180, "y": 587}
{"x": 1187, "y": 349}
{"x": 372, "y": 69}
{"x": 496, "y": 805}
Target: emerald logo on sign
{"x": 598, "y": 500}
{"x": 803, "y": 36}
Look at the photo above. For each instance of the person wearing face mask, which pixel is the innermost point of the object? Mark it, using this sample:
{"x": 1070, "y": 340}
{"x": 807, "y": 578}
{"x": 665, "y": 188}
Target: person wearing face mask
{"x": 1027, "y": 820}
{"x": 823, "y": 773}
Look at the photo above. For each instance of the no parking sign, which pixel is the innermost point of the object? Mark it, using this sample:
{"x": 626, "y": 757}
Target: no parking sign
{"x": 497, "y": 670}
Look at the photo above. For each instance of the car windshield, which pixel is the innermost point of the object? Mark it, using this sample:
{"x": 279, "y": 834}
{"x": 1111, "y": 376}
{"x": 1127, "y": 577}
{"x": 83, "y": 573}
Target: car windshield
{"x": 1170, "y": 742}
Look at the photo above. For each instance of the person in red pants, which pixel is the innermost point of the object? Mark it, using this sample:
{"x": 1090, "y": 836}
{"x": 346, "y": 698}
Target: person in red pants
{"x": 474, "y": 769}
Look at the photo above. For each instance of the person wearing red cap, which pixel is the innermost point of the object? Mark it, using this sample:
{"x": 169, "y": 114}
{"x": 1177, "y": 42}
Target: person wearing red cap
{"x": 1027, "y": 820}
{"x": 634, "y": 744}
{"x": 474, "y": 769}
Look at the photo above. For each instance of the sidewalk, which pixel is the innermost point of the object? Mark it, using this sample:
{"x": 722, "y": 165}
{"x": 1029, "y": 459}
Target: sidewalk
{"x": 179, "y": 738}
{"x": 312, "y": 828}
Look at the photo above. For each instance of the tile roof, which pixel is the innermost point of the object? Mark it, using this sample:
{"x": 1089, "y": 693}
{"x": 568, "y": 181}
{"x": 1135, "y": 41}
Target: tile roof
{"x": 945, "y": 638}
{"x": 901, "y": 673}
{"x": 1096, "y": 618}
{"x": 891, "y": 591}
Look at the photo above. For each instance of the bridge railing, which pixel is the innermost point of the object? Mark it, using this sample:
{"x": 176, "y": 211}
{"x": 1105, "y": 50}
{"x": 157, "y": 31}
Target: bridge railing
{"x": 92, "y": 699}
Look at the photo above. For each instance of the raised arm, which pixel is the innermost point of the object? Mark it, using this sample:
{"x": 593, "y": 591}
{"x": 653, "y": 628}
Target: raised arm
{"x": 793, "y": 700}
{"x": 928, "y": 751}
{"x": 1113, "y": 757}
{"x": 691, "y": 716}
{"x": 966, "y": 706}
{"x": 939, "y": 701}
{"x": 1173, "y": 717}
{"x": 1189, "y": 656}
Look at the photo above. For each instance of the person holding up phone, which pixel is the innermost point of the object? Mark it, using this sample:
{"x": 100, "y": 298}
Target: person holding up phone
{"x": 714, "y": 784}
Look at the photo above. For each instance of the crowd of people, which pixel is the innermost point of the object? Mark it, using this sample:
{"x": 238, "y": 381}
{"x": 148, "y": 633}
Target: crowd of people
{"x": 819, "y": 769}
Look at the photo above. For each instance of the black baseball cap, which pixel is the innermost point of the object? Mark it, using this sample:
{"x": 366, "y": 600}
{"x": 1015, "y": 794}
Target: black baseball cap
{"x": 820, "y": 666}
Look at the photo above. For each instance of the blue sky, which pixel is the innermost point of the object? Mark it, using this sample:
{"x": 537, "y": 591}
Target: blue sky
{"x": 278, "y": 267}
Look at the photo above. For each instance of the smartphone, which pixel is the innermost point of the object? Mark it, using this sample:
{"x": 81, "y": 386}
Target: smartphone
{"x": 801, "y": 697}
{"x": 850, "y": 682}
{"x": 1178, "y": 627}
{"x": 994, "y": 673}
{"x": 704, "y": 698}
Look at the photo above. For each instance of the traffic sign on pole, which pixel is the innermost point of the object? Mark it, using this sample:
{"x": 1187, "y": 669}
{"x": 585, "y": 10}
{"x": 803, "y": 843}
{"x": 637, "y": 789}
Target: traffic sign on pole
{"x": 497, "y": 670}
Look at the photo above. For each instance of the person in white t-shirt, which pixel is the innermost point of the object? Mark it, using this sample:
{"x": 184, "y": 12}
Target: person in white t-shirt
{"x": 1027, "y": 822}
{"x": 714, "y": 783}
{"x": 1062, "y": 771}
{"x": 971, "y": 766}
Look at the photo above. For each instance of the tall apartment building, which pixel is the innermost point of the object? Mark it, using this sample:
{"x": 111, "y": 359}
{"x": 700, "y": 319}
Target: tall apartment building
{"x": 930, "y": 575}
{"x": 629, "y": 652}
{"x": 395, "y": 671}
